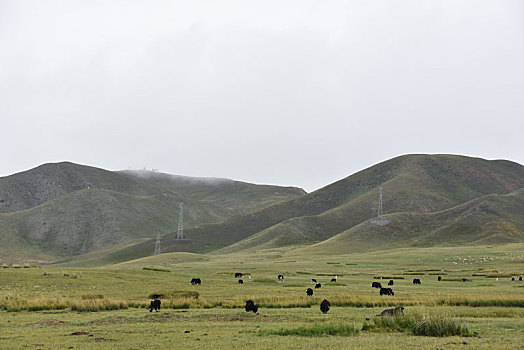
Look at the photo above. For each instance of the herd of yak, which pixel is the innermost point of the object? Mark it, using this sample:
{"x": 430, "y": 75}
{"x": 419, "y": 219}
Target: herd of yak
{"x": 324, "y": 305}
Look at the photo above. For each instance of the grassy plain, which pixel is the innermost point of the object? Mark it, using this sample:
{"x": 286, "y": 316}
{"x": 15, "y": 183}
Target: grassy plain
{"x": 48, "y": 307}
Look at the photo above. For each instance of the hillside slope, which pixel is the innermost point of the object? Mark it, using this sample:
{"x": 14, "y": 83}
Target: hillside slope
{"x": 58, "y": 210}
{"x": 234, "y": 196}
{"x": 486, "y": 220}
{"x": 412, "y": 183}
{"x": 415, "y": 186}
{"x": 37, "y": 186}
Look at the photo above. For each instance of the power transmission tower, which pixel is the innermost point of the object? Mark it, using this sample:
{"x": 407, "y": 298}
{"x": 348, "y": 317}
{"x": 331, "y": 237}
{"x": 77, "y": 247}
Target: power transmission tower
{"x": 157, "y": 245}
{"x": 380, "y": 203}
{"x": 180, "y": 233}
{"x": 380, "y": 220}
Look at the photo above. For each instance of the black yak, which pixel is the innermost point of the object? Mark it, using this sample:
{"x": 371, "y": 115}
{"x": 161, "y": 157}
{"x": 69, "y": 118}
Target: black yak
{"x": 280, "y": 277}
{"x": 376, "y": 285}
{"x": 318, "y": 285}
{"x": 155, "y": 305}
{"x": 196, "y": 281}
{"x": 324, "y": 306}
{"x": 416, "y": 281}
{"x": 390, "y": 283}
{"x": 386, "y": 291}
{"x": 250, "y": 306}
{"x": 309, "y": 292}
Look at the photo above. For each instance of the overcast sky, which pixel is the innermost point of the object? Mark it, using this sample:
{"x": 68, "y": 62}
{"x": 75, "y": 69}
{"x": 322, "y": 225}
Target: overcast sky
{"x": 298, "y": 93}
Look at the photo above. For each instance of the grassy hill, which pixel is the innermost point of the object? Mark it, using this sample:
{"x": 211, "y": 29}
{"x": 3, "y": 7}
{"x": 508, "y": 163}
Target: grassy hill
{"x": 429, "y": 199}
{"x": 412, "y": 183}
{"x": 64, "y": 209}
{"x": 234, "y": 196}
{"x": 37, "y": 186}
{"x": 490, "y": 219}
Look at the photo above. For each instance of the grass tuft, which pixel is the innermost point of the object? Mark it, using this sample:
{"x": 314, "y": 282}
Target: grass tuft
{"x": 92, "y": 296}
{"x": 176, "y": 294}
{"x": 419, "y": 324}
{"x": 317, "y": 330}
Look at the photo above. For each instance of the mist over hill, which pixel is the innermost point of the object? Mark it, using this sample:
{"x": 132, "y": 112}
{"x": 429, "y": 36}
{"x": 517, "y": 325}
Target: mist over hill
{"x": 63, "y": 209}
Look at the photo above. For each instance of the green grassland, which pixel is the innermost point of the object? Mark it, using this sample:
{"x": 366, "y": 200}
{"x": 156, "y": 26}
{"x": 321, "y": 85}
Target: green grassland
{"x": 52, "y": 306}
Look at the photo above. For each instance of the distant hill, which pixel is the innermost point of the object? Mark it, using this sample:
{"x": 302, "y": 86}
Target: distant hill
{"x": 429, "y": 200}
{"x": 63, "y": 209}
{"x": 411, "y": 183}
{"x": 42, "y": 184}
{"x": 234, "y": 196}
{"x": 490, "y": 219}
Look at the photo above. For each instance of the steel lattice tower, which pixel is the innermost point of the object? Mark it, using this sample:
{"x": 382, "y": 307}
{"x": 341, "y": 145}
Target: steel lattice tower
{"x": 180, "y": 233}
{"x": 380, "y": 203}
{"x": 157, "y": 245}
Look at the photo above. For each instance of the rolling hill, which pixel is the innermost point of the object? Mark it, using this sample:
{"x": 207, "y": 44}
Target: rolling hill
{"x": 429, "y": 200}
{"x": 425, "y": 196}
{"x": 63, "y": 209}
{"x": 490, "y": 219}
{"x": 412, "y": 183}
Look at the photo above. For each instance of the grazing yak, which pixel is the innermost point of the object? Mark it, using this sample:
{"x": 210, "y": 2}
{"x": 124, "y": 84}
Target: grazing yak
{"x": 512, "y": 278}
{"x": 313, "y": 280}
{"x": 390, "y": 283}
{"x": 280, "y": 277}
{"x": 155, "y": 305}
{"x": 520, "y": 278}
{"x": 398, "y": 311}
{"x": 250, "y": 306}
{"x": 324, "y": 306}
{"x": 240, "y": 282}
{"x": 439, "y": 278}
{"x": 309, "y": 292}
{"x": 318, "y": 285}
{"x": 376, "y": 285}
{"x": 386, "y": 291}
{"x": 238, "y": 274}
{"x": 196, "y": 281}
{"x": 416, "y": 281}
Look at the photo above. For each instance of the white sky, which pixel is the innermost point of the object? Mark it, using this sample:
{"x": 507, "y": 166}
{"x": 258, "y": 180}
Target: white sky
{"x": 298, "y": 93}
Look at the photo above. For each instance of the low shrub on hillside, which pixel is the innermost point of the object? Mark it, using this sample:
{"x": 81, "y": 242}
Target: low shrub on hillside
{"x": 153, "y": 268}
